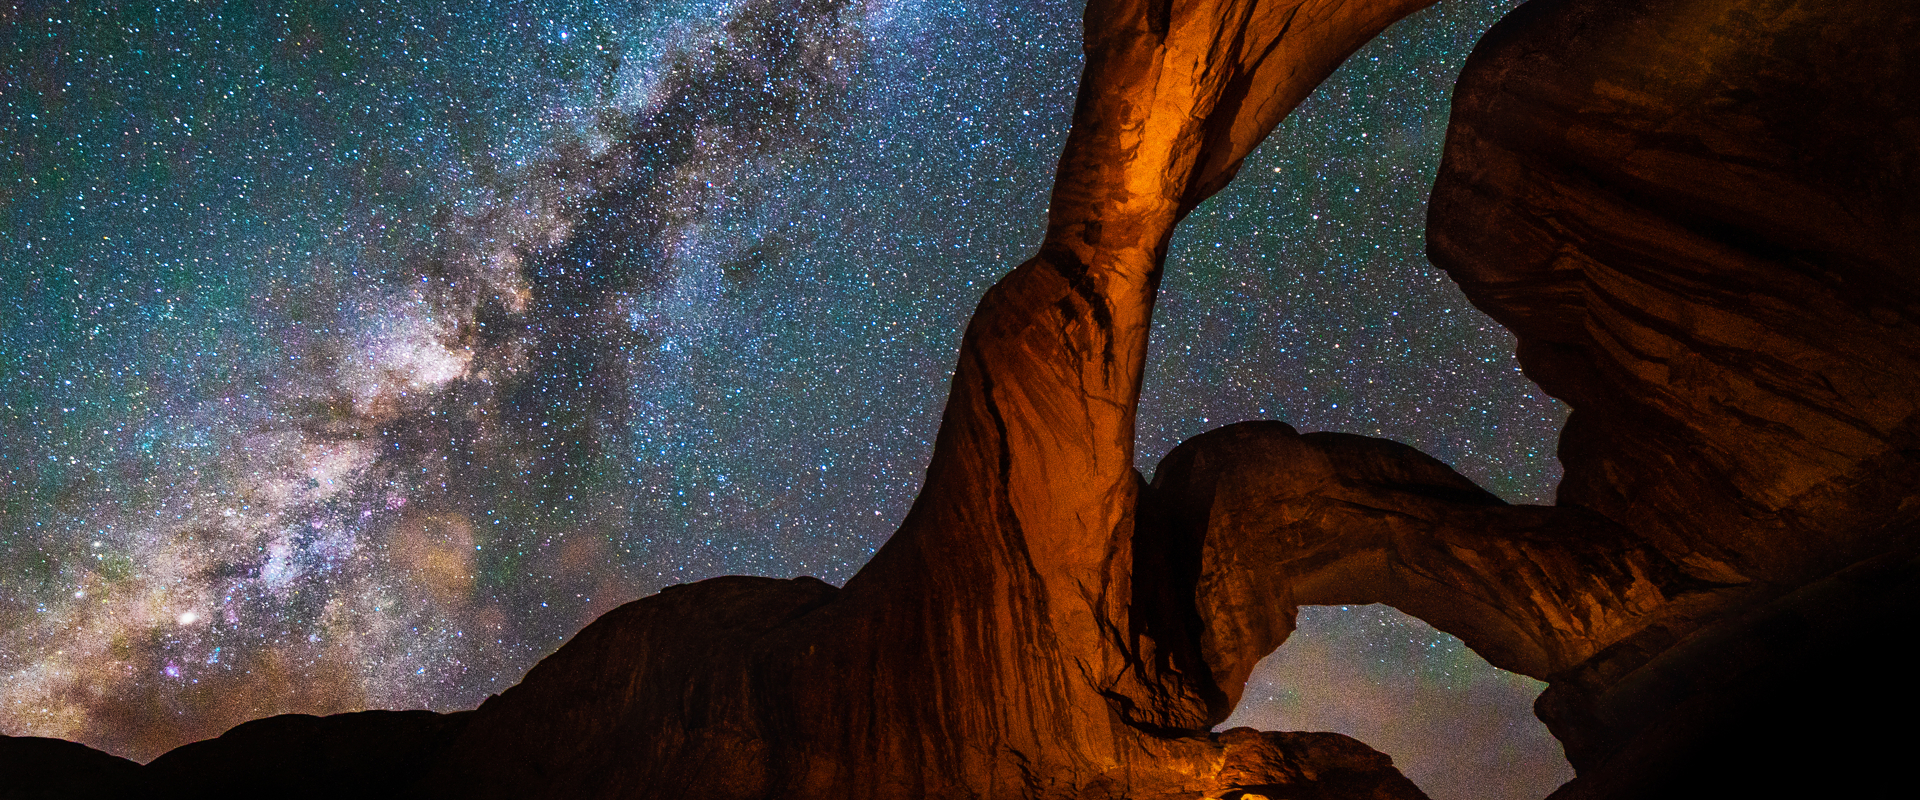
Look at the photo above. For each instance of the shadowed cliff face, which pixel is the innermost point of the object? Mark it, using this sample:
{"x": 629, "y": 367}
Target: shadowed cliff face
{"x": 1700, "y": 218}
{"x": 1041, "y": 626}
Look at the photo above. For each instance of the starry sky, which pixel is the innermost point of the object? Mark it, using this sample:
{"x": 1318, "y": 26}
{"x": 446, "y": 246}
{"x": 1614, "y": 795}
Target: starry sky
{"x": 356, "y": 355}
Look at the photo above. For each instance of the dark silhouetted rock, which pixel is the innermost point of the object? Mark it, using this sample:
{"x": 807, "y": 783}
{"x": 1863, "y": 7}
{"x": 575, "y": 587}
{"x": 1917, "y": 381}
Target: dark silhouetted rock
{"x": 996, "y": 646}
{"x": 368, "y": 754}
{"x": 1804, "y": 696}
{"x": 1701, "y": 219}
{"x": 36, "y": 768}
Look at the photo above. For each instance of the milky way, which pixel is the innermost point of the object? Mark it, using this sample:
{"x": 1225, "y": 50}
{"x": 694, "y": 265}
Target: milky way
{"x": 355, "y": 358}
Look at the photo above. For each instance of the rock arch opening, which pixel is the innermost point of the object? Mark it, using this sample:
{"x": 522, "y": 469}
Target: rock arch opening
{"x": 1455, "y": 725}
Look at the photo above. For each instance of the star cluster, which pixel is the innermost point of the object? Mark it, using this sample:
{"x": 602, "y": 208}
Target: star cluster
{"x": 356, "y": 356}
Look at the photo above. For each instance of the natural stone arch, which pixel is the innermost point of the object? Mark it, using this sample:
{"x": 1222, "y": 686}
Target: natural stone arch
{"x": 1045, "y": 625}
{"x": 997, "y": 645}
{"x": 1262, "y": 520}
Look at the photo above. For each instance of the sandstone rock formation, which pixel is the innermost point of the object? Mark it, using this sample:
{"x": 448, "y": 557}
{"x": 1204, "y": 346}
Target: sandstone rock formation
{"x": 1265, "y": 520}
{"x": 997, "y": 645}
{"x": 1700, "y": 217}
{"x": 1044, "y": 626}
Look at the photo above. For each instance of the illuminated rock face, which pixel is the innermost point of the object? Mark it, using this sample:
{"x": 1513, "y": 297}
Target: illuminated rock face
{"x": 1702, "y": 220}
{"x": 1625, "y": 186}
{"x": 998, "y": 645}
{"x": 1262, "y": 520}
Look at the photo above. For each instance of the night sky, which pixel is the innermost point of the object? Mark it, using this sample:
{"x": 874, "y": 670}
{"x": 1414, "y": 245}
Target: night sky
{"x": 354, "y": 357}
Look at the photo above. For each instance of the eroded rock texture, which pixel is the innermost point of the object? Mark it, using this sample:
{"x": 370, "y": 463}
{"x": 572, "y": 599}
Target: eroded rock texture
{"x": 997, "y": 645}
{"x": 1697, "y": 215}
{"x": 1702, "y": 220}
{"x": 1265, "y": 520}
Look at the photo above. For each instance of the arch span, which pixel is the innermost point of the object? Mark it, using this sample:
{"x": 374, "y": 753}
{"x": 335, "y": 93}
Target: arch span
{"x": 1261, "y": 520}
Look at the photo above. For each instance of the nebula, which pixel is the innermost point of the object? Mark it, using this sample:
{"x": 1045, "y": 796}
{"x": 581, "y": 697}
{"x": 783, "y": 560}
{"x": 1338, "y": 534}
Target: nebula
{"x": 356, "y": 358}
{"x": 335, "y": 543}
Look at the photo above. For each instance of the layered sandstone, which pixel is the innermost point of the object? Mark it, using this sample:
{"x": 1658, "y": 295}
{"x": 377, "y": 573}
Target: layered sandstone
{"x": 1701, "y": 219}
